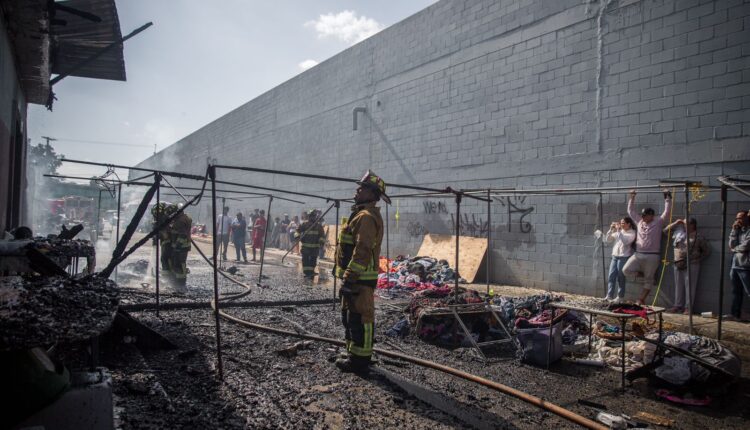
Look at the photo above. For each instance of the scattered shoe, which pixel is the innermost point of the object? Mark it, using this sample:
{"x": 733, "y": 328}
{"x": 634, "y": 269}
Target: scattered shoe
{"x": 674, "y": 310}
{"x": 686, "y": 312}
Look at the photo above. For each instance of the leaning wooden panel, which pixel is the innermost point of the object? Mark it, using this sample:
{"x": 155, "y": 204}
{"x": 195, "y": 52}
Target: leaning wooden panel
{"x": 443, "y": 247}
{"x": 330, "y": 242}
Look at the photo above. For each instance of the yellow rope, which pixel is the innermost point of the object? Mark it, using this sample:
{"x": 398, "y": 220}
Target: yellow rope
{"x": 697, "y": 192}
{"x": 664, "y": 261}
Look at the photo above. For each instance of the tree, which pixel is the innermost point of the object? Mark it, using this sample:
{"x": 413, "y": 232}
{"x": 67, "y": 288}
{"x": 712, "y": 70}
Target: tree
{"x": 43, "y": 158}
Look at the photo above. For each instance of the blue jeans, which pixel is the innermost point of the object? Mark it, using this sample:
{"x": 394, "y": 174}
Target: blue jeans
{"x": 740, "y": 286}
{"x": 616, "y": 277}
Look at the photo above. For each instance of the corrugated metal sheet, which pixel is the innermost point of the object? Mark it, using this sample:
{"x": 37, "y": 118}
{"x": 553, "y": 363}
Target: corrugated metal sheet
{"x": 80, "y": 38}
{"x": 28, "y": 30}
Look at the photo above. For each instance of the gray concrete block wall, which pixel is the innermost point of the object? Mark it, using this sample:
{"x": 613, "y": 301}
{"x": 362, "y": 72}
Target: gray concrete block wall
{"x": 525, "y": 94}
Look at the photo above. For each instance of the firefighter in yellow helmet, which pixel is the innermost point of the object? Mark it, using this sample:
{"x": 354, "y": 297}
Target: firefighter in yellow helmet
{"x": 357, "y": 265}
{"x": 312, "y": 237}
{"x": 179, "y": 235}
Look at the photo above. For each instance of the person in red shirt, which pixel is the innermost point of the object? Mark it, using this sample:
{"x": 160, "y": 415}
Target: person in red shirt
{"x": 259, "y": 232}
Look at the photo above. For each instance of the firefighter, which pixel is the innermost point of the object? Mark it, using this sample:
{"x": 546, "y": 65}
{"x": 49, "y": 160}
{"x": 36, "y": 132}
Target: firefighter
{"x": 160, "y": 213}
{"x": 179, "y": 235}
{"x": 357, "y": 265}
{"x": 311, "y": 237}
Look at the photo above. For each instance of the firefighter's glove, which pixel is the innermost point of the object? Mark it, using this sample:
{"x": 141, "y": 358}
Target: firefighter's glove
{"x": 349, "y": 290}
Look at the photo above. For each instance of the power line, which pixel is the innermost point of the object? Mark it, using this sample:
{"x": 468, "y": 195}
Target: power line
{"x": 101, "y": 142}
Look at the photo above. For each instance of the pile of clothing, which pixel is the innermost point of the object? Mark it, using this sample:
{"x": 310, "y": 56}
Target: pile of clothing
{"x": 404, "y": 276}
{"x": 526, "y": 312}
{"x": 675, "y": 369}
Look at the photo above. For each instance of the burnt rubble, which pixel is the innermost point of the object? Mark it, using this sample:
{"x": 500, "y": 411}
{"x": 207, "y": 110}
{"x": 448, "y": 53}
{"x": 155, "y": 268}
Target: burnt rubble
{"x": 38, "y": 311}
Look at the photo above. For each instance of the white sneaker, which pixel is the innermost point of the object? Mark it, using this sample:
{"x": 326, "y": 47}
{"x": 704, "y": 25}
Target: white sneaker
{"x": 617, "y": 300}
{"x": 606, "y": 298}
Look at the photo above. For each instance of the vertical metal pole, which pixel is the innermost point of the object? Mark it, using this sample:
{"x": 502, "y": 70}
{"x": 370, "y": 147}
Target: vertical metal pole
{"x": 219, "y": 365}
{"x": 119, "y": 204}
{"x": 601, "y": 228}
{"x": 689, "y": 293}
{"x": 458, "y": 233}
{"x": 157, "y": 179}
{"x": 335, "y": 252}
{"x": 265, "y": 237}
{"x": 98, "y": 216}
{"x": 622, "y": 353}
{"x": 489, "y": 239}
{"x": 722, "y": 263}
{"x": 387, "y": 234}
{"x": 223, "y": 239}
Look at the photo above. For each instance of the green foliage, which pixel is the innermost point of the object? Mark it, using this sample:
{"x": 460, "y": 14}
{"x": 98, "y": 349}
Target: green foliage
{"x": 44, "y": 158}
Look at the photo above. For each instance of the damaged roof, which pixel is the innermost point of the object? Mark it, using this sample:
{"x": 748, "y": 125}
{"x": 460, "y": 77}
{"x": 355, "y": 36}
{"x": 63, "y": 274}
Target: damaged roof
{"x": 28, "y": 29}
{"x": 77, "y": 38}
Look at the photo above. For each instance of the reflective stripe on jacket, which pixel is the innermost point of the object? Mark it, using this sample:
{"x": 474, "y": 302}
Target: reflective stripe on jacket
{"x": 360, "y": 240}
{"x": 313, "y": 235}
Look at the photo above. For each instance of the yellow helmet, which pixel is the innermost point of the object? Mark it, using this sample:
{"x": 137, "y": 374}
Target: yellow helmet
{"x": 375, "y": 183}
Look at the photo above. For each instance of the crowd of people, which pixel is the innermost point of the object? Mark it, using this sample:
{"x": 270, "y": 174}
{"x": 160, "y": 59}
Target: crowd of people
{"x": 283, "y": 232}
{"x": 636, "y": 244}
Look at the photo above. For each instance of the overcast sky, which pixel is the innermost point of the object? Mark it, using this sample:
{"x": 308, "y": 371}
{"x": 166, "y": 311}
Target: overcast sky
{"x": 198, "y": 61}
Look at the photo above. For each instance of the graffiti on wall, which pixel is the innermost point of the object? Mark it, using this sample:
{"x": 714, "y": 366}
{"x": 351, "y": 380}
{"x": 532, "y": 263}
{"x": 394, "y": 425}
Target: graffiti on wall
{"x": 473, "y": 226}
{"x": 415, "y": 229}
{"x": 515, "y": 205}
{"x": 431, "y": 207}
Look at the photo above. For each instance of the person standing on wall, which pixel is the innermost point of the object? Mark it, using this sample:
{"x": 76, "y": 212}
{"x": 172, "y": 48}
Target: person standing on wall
{"x": 223, "y": 224}
{"x": 180, "y": 238}
{"x": 699, "y": 249}
{"x": 622, "y": 233}
{"x": 310, "y": 235}
{"x": 647, "y": 242}
{"x": 259, "y": 231}
{"x": 357, "y": 266}
{"x": 739, "y": 244}
{"x": 239, "y": 231}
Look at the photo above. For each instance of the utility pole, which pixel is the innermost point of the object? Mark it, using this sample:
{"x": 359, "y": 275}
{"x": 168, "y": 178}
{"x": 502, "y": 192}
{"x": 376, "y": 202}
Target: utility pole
{"x": 48, "y": 139}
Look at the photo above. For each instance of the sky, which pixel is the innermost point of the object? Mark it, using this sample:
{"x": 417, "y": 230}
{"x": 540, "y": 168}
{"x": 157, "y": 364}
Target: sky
{"x": 199, "y": 60}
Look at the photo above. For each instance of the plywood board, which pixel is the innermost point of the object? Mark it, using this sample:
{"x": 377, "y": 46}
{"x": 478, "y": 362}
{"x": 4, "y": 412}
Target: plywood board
{"x": 330, "y": 242}
{"x": 443, "y": 247}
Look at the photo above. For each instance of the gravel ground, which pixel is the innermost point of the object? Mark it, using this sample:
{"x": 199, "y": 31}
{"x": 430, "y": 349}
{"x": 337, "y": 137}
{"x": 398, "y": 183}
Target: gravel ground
{"x": 263, "y": 389}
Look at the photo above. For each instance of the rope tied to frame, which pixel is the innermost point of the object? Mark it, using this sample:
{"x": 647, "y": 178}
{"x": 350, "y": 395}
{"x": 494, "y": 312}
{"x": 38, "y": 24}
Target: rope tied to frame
{"x": 664, "y": 261}
{"x": 697, "y": 193}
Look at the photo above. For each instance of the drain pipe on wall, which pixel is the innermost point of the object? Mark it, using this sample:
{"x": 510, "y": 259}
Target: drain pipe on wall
{"x": 355, "y": 111}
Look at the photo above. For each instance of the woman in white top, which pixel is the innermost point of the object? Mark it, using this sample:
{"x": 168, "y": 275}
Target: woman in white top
{"x": 623, "y": 235}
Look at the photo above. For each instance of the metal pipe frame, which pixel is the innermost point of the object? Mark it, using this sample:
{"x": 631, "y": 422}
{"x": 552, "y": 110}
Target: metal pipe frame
{"x": 119, "y": 205}
{"x": 265, "y": 238}
{"x": 157, "y": 237}
{"x": 447, "y": 190}
{"x": 133, "y": 182}
{"x": 688, "y": 293}
{"x": 722, "y": 263}
{"x": 217, "y": 319}
{"x": 139, "y": 169}
{"x": 601, "y": 228}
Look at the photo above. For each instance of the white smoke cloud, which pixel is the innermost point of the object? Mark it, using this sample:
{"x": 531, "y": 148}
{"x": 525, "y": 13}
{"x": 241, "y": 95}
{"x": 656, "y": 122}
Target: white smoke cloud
{"x": 345, "y": 26}
{"x": 307, "y": 64}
